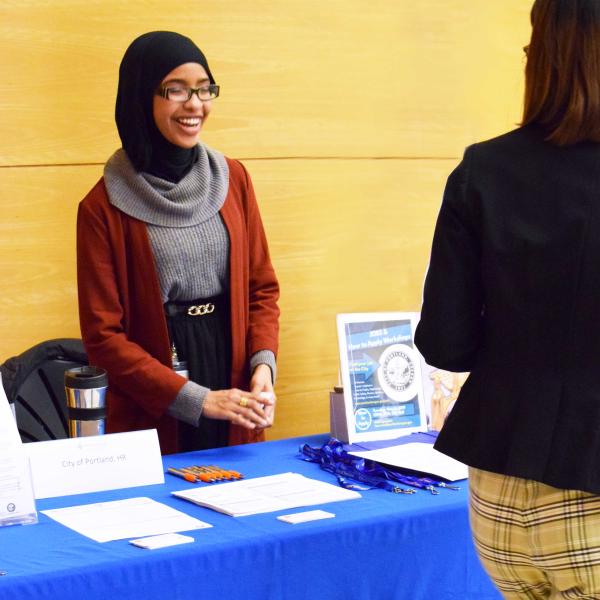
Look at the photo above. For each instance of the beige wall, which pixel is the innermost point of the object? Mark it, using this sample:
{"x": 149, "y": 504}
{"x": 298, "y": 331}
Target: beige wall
{"x": 348, "y": 114}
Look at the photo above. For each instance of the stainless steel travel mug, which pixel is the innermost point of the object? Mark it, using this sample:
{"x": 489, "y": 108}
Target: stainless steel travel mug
{"x": 86, "y": 400}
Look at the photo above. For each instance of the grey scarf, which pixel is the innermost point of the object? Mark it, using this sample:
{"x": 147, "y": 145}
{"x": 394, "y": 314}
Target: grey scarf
{"x": 193, "y": 200}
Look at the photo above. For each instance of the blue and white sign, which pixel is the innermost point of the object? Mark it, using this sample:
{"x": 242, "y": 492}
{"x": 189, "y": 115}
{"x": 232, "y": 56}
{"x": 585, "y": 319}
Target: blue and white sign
{"x": 381, "y": 375}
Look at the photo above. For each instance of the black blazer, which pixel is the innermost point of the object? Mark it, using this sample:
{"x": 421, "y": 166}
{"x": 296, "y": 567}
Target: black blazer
{"x": 513, "y": 296}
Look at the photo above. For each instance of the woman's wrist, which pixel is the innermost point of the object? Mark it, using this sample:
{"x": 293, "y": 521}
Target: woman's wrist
{"x": 264, "y": 357}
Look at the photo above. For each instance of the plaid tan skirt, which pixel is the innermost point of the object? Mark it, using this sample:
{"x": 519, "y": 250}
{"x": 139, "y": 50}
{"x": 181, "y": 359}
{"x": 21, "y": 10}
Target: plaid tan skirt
{"x": 536, "y": 541}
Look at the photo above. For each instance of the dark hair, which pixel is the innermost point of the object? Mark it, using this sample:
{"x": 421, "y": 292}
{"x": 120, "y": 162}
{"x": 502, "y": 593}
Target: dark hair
{"x": 562, "y": 76}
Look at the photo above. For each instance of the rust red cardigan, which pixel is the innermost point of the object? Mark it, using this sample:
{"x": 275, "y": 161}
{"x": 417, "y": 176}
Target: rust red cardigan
{"x": 121, "y": 313}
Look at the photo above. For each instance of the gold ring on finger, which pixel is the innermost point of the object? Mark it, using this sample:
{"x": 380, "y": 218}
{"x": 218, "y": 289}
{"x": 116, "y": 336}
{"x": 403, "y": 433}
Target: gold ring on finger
{"x": 243, "y": 402}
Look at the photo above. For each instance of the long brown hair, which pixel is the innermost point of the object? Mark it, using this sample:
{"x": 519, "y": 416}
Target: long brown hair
{"x": 562, "y": 76}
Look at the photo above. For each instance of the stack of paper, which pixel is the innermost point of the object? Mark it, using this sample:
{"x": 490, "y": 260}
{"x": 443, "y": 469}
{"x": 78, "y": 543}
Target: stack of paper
{"x": 266, "y": 494}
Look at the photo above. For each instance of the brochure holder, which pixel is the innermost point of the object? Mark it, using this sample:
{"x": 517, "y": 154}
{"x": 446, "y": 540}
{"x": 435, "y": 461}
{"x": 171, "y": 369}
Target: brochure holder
{"x": 337, "y": 416}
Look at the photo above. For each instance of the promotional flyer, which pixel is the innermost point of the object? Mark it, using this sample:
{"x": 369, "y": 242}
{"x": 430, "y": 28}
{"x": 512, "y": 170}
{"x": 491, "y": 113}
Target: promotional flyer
{"x": 381, "y": 375}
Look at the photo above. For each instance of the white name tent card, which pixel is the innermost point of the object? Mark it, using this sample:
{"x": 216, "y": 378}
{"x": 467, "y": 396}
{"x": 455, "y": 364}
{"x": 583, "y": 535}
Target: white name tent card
{"x": 95, "y": 463}
{"x": 17, "y": 504}
{"x": 121, "y": 519}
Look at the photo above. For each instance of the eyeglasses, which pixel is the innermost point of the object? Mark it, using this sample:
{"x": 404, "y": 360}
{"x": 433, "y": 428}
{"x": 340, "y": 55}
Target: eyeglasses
{"x": 179, "y": 93}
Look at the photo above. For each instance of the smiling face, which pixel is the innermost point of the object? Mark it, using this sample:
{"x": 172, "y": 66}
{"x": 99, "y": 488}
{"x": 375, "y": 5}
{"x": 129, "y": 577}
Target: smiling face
{"x": 180, "y": 122}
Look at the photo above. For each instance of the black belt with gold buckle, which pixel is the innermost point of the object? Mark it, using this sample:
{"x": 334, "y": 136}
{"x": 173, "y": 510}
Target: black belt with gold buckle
{"x": 193, "y": 310}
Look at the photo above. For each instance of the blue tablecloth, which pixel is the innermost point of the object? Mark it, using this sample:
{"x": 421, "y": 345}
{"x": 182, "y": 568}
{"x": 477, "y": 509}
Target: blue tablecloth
{"x": 383, "y": 546}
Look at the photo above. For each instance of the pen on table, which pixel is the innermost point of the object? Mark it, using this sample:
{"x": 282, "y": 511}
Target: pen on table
{"x": 220, "y": 473}
{"x": 215, "y": 472}
{"x": 206, "y": 476}
{"x": 199, "y": 476}
{"x": 204, "y": 473}
{"x": 231, "y": 473}
{"x": 183, "y": 475}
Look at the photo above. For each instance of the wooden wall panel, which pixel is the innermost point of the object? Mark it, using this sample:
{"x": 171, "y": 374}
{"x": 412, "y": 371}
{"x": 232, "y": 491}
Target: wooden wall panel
{"x": 300, "y": 77}
{"x": 37, "y": 253}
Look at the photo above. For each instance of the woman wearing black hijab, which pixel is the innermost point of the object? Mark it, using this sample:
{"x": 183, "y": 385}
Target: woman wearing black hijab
{"x": 173, "y": 264}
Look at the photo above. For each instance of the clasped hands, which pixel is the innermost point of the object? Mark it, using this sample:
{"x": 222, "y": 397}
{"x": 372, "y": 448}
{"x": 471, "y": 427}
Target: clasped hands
{"x": 254, "y": 409}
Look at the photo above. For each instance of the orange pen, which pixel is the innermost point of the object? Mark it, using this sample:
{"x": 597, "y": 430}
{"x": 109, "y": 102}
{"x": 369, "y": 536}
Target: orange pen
{"x": 229, "y": 474}
{"x": 194, "y": 474}
{"x": 213, "y": 472}
{"x": 182, "y": 474}
{"x": 201, "y": 475}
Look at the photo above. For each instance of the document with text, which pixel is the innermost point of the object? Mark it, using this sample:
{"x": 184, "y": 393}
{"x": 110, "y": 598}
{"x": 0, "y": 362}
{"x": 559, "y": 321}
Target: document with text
{"x": 266, "y": 494}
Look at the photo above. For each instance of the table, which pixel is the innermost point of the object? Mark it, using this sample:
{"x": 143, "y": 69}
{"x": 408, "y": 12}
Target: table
{"x": 382, "y": 546}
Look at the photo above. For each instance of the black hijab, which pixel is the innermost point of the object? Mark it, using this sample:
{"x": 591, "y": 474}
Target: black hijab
{"x": 146, "y": 62}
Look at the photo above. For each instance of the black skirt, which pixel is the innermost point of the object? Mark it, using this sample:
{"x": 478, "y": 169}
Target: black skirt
{"x": 201, "y": 332}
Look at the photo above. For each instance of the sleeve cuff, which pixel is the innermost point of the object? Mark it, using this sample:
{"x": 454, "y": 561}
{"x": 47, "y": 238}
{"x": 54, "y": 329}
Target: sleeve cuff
{"x": 264, "y": 357}
{"x": 188, "y": 403}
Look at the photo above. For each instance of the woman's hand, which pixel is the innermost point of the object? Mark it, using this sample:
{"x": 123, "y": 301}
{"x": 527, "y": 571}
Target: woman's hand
{"x": 241, "y": 408}
{"x": 261, "y": 385}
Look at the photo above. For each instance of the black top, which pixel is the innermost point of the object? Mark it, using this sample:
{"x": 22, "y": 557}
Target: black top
{"x": 513, "y": 296}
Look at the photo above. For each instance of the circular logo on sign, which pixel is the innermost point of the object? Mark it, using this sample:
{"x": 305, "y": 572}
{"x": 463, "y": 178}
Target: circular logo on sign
{"x": 10, "y": 507}
{"x": 397, "y": 373}
{"x": 362, "y": 419}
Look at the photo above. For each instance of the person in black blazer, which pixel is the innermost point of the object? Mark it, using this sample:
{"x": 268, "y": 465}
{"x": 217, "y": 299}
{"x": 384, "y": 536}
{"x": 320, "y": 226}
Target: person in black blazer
{"x": 512, "y": 295}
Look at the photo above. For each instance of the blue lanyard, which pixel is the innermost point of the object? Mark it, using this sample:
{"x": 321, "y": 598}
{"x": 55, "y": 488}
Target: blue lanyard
{"x": 333, "y": 458}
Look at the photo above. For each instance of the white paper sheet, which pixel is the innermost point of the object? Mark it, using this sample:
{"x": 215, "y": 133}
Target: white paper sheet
{"x": 121, "y": 519}
{"x": 266, "y": 494}
{"x": 418, "y": 457}
{"x": 16, "y": 495}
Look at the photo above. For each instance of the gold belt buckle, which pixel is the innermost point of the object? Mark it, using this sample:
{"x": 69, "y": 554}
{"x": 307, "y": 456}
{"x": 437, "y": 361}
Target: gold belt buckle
{"x": 200, "y": 309}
